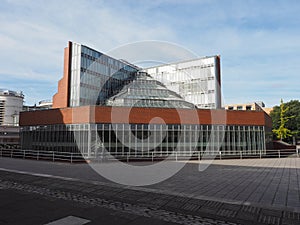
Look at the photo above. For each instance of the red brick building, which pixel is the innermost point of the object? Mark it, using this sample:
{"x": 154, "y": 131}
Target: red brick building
{"x": 105, "y": 105}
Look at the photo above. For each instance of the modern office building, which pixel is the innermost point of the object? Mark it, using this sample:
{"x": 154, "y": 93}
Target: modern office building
{"x": 104, "y": 105}
{"x": 198, "y": 81}
{"x": 90, "y": 77}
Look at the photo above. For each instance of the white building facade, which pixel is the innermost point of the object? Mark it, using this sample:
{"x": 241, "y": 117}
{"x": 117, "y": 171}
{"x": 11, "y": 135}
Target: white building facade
{"x": 11, "y": 104}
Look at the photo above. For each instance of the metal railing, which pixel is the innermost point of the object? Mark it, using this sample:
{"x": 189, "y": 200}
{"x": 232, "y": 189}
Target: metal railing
{"x": 74, "y": 157}
{"x": 42, "y": 155}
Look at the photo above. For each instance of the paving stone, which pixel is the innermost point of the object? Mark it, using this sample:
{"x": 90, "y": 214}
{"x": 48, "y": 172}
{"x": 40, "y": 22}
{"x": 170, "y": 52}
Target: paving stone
{"x": 269, "y": 182}
{"x": 248, "y": 213}
{"x": 268, "y": 216}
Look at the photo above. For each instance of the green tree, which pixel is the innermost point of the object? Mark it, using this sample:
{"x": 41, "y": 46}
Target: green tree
{"x": 286, "y": 120}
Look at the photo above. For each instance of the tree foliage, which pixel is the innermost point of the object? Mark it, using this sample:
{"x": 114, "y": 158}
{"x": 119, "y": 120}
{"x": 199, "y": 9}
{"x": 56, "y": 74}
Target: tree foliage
{"x": 286, "y": 120}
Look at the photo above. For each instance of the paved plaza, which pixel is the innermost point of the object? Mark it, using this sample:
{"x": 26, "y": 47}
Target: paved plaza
{"x": 247, "y": 191}
{"x": 264, "y": 182}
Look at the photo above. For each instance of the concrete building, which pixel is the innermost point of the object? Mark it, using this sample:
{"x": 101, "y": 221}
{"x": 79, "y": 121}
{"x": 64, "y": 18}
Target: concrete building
{"x": 104, "y": 105}
{"x": 253, "y": 106}
{"x": 11, "y": 104}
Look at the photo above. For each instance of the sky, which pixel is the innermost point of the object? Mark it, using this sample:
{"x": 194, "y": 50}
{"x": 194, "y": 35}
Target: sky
{"x": 259, "y": 41}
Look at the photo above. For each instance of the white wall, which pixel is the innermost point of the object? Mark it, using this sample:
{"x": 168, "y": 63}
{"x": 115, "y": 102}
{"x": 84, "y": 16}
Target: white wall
{"x": 12, "y": 108}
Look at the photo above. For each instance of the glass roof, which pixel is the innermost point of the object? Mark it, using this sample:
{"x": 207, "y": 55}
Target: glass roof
{"x": 144, "y": 91}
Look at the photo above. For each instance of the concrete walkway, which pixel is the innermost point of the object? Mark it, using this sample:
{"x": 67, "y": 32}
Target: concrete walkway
{"x": 263, "y": 182}
{"x": 248, "y": 191}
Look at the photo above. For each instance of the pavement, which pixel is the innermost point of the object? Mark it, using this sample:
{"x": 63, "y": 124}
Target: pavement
{"x": 247, "y": 191}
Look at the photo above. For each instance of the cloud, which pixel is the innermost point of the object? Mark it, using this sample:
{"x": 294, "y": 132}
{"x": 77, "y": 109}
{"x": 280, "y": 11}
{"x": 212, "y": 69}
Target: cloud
{"x": 34, "y": 33}
{"x": 258, "y": 40}
{"x": 152, "y": 51}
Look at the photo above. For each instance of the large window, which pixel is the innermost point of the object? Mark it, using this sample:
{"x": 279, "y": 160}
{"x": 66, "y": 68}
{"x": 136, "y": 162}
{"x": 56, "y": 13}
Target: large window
{"x": 136, "y": 139}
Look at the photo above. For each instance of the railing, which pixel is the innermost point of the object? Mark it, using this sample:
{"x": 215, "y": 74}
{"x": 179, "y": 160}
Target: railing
{"x": 74, "y": 157}
{"x": 42, "y": 155}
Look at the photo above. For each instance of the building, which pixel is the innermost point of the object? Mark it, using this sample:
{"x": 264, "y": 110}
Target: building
{"x": 254, "y": 106}
{"x": 107, "y": 106}
{"x": 198, "y": 81}
{"x": 11, "y": 104}
{"x": 268, "y": 110}
{"x": 45, "y": 104}
{"x": 90, "y": 77}
{"x": 42, "y": 105}
{"x": 92, "y": 131}
{"x": 9, "y": 137}
{"x": 144, "y": 91}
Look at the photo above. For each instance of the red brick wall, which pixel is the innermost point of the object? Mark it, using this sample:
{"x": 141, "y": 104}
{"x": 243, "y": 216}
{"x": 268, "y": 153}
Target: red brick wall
{"x": 61, "y": 98}
{"x": 100, "y": 114}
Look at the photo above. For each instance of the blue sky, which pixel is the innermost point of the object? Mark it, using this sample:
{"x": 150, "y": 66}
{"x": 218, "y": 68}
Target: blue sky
{"x": 259, "y": 41}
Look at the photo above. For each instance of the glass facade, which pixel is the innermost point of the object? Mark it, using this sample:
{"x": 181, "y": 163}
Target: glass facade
{"x": 197, "y": 81}
{"x": 91, "y": 140}
{"x": 144, "y": 91}
{"x": 96, "y": 76}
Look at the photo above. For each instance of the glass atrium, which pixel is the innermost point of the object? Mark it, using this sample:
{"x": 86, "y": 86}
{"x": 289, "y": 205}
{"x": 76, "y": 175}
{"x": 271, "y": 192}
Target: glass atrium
{"x": 144, "y": 91}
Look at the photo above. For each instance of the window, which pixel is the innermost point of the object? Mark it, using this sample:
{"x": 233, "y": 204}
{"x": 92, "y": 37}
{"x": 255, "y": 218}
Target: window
{"x": 239, "y": 107}
{"x": 230, "y": 107}
{"x": 248, "y": 107}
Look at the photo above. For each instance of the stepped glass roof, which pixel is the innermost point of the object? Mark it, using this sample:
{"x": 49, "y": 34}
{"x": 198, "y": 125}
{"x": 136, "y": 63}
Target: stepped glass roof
{"x": 144, "y": 91}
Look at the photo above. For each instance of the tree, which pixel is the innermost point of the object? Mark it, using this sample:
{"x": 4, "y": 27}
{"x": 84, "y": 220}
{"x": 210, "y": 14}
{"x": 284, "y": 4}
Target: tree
{"x": 286, "y": 120}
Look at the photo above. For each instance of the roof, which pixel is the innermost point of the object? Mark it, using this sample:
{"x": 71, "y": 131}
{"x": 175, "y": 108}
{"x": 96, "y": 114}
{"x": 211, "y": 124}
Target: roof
{"x": 144, "y": 91}
{"x": 6, "y": 92}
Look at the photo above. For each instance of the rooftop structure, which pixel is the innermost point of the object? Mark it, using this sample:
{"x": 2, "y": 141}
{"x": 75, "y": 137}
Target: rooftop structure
{"x": 43, "y": 104}
{"x": 144, "y": 91}
{"x": 253, "y": 106}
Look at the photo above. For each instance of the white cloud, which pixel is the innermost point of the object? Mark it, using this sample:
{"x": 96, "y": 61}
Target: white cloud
{"x": 34, "y": 33}
{"x": 255, "y": 44}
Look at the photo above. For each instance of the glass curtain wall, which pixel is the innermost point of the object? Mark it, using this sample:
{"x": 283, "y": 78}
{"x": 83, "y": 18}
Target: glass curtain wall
{"x": 145, "y": 140}
{"x": 195, "y": 80}
{"x": 96, "y": 76}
